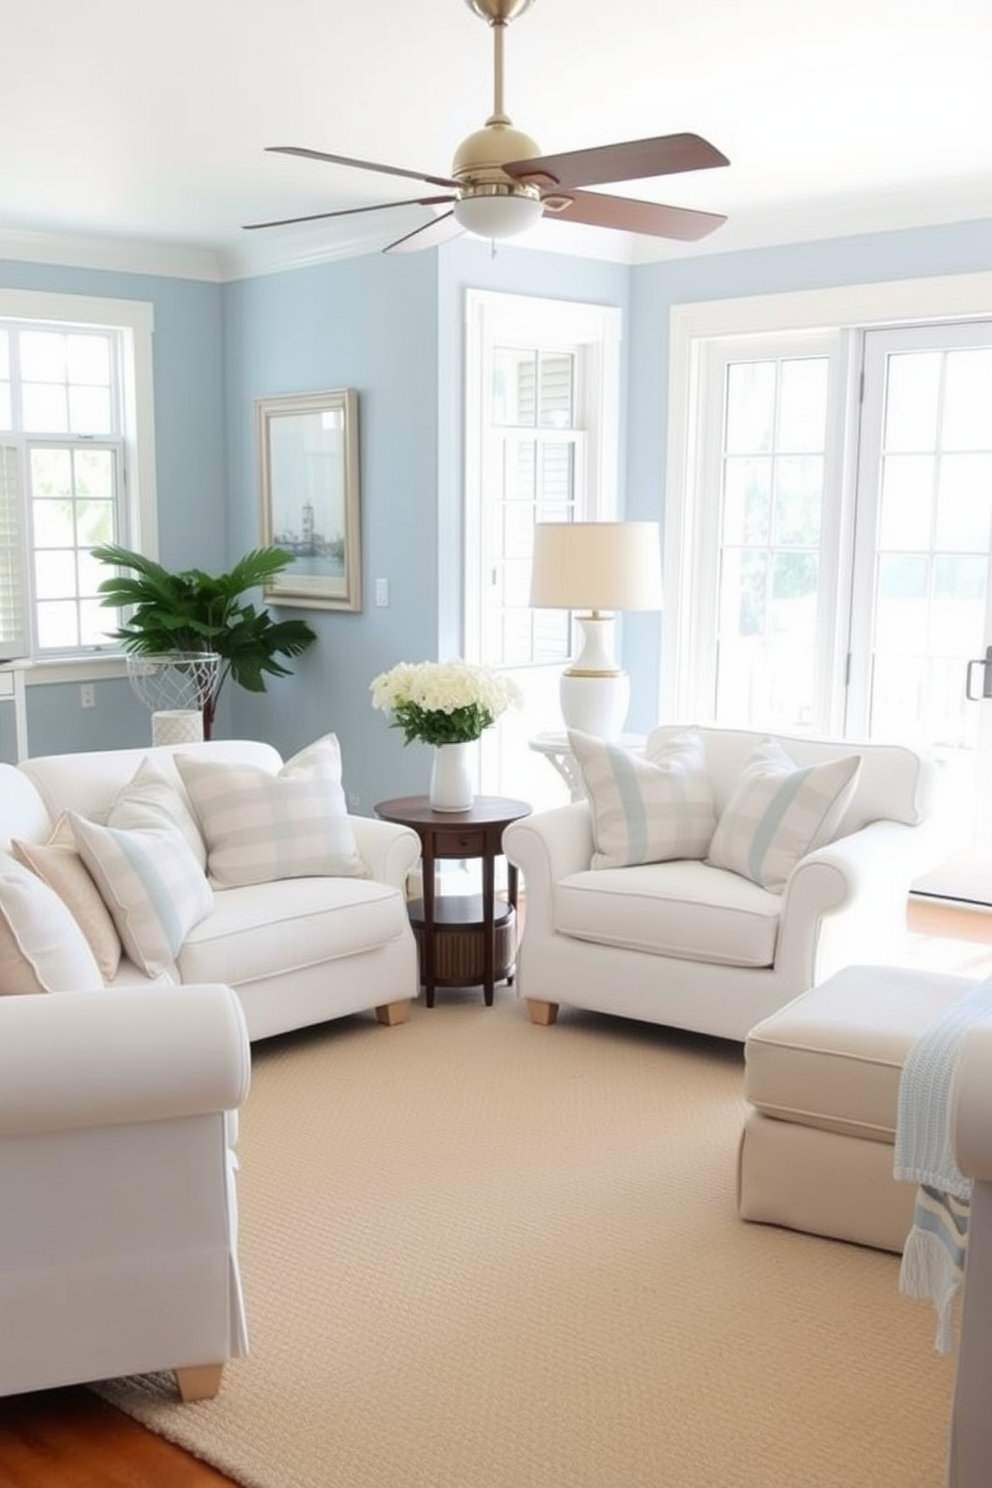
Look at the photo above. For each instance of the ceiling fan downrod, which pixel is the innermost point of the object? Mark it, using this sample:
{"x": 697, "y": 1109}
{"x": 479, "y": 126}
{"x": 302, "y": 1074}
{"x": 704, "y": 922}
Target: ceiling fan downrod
{"x": 498, "y": 14}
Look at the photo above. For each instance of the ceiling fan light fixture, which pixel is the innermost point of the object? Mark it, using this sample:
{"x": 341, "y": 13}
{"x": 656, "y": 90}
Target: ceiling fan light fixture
{"x": 498, "y": 212}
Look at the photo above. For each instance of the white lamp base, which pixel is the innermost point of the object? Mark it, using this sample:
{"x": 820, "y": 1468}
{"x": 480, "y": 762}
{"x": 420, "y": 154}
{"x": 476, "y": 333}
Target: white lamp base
{"x": 594, "y": 692}
{"x": 595, "y": 704}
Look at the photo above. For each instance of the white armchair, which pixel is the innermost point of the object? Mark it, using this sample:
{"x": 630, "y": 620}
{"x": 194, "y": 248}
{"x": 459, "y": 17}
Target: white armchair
{"x": 118, "y": 1229}
{"x": 694, "y": 946}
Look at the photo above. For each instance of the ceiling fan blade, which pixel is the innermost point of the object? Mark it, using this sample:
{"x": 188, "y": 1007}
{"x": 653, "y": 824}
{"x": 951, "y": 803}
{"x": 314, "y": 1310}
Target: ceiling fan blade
{"x": 627, "y": 215}
{"x": 431, "y": 235}
{"x": 666, "y": 155}
{"x": 421, "y": 201}
{"x": 371, "y": 165}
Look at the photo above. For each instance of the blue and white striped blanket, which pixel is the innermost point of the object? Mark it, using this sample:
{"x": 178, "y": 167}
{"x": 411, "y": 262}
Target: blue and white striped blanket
{"x": 934, "y": 1257}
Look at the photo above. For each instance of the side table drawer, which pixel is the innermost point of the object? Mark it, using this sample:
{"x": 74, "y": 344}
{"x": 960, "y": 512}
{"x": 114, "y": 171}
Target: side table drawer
{"x": 467, "y": 844}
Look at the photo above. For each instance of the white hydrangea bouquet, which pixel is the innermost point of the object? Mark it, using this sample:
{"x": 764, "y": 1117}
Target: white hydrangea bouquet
{"x": 442, "y": 702}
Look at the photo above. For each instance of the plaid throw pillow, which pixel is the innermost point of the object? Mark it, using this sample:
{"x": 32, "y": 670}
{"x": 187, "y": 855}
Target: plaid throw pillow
{"x": 260, "y": 826}
{"x": 646, "y": 810}
{"x": 779, "y": 812}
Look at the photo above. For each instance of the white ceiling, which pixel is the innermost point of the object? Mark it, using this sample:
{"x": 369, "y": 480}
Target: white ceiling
{"x": 148, "y": 122}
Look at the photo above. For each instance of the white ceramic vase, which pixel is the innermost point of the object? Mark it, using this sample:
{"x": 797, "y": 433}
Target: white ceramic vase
{"x": 451, "y": 778}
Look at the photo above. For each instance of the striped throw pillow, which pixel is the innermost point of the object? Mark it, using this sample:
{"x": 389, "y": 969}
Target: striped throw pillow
{"x": 646, "y": 810}
{"x": 779, "y": 812}
{"x": 153, "y": 886}
{"x": 260, "y": 826}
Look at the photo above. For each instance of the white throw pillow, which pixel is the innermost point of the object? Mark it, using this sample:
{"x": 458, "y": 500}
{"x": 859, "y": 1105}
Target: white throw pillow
{"x": 260, "y": 826}
{"x": 646, "y": 810}
{"x": 153, "y": 886}
{"x": 779, "y": 812}
{"x": 63, "y": 870}
{"x": 150, "y": 802}
{"x": 42, "y": 949}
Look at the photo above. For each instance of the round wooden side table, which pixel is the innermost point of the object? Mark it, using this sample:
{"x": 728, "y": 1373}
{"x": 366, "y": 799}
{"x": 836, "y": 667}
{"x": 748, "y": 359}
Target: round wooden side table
{"x": 464, "y": 940}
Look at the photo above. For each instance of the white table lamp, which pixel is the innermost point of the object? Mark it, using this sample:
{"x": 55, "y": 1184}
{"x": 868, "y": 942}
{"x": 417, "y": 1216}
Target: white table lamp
{"x": 596, "y": 568}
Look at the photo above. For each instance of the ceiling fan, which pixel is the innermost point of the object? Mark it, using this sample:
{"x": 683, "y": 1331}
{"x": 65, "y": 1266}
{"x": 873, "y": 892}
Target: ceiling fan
{"x": 501, "y": 184}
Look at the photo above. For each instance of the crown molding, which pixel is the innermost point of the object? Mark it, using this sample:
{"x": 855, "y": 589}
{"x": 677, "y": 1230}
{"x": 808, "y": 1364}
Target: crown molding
{"x": 117, "y": 255}
{"x": 310, "y": 244}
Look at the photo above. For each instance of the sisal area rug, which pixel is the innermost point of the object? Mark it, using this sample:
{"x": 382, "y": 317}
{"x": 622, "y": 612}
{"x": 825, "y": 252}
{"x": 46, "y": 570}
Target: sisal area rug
{"x": 480, "y": 1254}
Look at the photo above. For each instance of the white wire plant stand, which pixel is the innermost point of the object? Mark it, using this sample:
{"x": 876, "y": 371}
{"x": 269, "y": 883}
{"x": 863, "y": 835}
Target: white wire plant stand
{"x": 174, "y": 686}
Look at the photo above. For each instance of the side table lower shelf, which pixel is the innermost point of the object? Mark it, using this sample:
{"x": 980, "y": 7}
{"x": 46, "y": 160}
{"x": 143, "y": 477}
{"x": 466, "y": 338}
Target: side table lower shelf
{"x": 460, "y": 940}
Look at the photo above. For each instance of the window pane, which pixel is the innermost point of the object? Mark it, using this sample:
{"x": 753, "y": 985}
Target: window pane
{"x": 742, "y": 592}
{"x": 95, "y": 524}
{"x": 6, "y": 407}
{"x": 798, "y": 499}
{"x": 556, "y": 391}
{"x": 750, "y": 407}
{"x": 55, "y": 574}
{"x": 4, "y": 356}
{"x": 51, "y": 472}
{"x": 747, "y": 500}
{"x": 95, "y": 624}
{"x": 45, "y": 408}
{"x": 967, "y": 420}
{"x": 958, "y": 606}
{"x": 42, "y": 356}
{"x": 907, "y": 501}
{"x": 88, "y": 359}
{"x": 89, "y": 410}
{"x": 52, "y": 522}
{"x": 794, "y": 585}
{"x": 94, "y": 472}
{"x": 802, "y": 414}
{"x": 58, "y": 628}
{"x": 901, "y": 607}
{"x": 964, "y": 503}
{"x": 514, "y": 387}
{"x": 911, "y": 400}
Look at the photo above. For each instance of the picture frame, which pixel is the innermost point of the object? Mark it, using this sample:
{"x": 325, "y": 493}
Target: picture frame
{"x": 310, "y": 496}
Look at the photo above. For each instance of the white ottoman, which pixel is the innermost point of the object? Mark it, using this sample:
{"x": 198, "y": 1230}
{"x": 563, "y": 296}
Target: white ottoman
{"x": 822, "y": 1078}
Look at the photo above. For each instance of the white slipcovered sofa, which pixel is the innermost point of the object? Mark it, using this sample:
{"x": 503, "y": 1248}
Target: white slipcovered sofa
{"x": 297, "y": 949}
{"x": 688, "y": 944}
{"x": 118, "y": 1220}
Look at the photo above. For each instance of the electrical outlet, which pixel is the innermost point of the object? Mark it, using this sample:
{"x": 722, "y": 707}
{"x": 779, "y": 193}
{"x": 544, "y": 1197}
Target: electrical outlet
{"x": 87, "y": 695}
{"x": 382, "y": 592}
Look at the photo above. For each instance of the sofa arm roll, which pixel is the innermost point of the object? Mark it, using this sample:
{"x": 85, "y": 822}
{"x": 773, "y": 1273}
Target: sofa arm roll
{"x": 120, "y": 1055}
{"x": 389, "y": 851}
{"x": 970, "y": 1113}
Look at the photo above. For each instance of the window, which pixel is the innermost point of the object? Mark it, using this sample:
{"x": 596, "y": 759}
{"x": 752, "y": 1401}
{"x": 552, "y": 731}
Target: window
{"x": 542, "y": 444}
{"x": 76, "y": 463}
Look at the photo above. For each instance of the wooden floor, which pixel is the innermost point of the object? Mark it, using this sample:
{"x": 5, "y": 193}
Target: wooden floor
{"x": 71, "y": 1439}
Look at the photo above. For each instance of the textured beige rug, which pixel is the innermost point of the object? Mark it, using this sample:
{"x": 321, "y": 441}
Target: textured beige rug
{"x": 479, "y": 1254}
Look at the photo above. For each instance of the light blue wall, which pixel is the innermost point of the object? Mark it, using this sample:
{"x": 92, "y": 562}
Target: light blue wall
{"x": 956, "y": 249}
{"x": 191, "y": 477}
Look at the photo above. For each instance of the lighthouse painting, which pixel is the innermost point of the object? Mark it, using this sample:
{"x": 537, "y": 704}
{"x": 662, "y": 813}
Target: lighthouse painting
{"x": 308, "y": 466}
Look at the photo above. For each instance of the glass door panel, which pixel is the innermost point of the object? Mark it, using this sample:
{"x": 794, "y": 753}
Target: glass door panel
{"x": 922, "y": 587}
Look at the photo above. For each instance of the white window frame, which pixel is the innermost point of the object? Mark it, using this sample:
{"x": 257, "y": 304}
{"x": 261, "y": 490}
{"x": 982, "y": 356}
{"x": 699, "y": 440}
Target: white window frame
{"x": 594, "y": 333}
{"x": 133, "y": 320}
{"x": 846, "y": 309}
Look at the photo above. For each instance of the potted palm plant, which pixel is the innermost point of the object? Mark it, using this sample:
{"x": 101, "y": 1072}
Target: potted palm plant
{"x": 194, "y": 613}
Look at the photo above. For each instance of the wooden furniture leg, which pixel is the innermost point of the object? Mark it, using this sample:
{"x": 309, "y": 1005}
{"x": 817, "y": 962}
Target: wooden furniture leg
{"x": 543, "y": 1013}
{"x": 198, "y": 1381}
{"x": 392, "y": 1013}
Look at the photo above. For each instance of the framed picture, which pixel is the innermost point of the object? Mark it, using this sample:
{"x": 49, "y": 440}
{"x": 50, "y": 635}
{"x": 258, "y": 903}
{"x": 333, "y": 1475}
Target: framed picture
{"x": 308, "y": 472}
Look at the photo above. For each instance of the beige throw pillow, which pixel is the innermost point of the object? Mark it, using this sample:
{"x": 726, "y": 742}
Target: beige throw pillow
{"x": 58, "y": 863}
{"x": 42, "y": 949}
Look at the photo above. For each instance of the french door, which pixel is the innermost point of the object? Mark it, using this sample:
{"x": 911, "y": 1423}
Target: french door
{"x": 921, "y": 615}
{"x": 843, "y": 561}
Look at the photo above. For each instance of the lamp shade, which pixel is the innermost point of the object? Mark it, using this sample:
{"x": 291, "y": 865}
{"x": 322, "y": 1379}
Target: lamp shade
{"x": 596, "y": 566}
